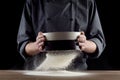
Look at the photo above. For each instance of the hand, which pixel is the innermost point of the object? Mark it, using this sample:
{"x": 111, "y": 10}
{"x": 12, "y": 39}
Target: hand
{"x": 86, "y": 45}
{"x": 33, "y": 48}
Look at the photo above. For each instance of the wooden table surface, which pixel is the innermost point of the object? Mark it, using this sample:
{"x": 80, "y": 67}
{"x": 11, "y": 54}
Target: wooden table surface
{"x": 58, "y": 75}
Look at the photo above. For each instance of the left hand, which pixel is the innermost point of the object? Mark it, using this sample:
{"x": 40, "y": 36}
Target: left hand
{"x": 86, "y": 45}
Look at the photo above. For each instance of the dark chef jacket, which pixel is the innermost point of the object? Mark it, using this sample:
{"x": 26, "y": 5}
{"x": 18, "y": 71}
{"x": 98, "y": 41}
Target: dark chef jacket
{"x": 57, "y": 16}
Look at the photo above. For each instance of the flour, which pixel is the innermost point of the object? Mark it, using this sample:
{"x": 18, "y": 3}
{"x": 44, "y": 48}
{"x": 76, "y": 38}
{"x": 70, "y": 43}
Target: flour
{"x": 56, "y": 60}
{"x": 62, "y": 73}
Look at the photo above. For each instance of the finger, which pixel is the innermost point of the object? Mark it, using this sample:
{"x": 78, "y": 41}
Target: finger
{"x": 82, "y": 33}
{"x": 78, "y": 35}
{"x": 82, "y": 46}
{"x": 40, "y": 48}
{"x": 40, "y": 40}
{"x": 41, "y": 44}
{"x": 82, "y": 39}
{"x": 40, "y": 35}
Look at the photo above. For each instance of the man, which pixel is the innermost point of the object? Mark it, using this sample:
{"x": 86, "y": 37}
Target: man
{"x": 41, "y": 16}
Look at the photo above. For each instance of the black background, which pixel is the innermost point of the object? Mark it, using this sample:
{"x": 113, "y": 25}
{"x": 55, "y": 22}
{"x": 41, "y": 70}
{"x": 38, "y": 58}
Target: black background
{"x": 10, "y": 15}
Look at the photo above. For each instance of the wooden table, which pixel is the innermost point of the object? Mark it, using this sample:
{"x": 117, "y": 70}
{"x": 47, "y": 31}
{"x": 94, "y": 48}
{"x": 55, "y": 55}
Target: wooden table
{"x": 58, "y": 75}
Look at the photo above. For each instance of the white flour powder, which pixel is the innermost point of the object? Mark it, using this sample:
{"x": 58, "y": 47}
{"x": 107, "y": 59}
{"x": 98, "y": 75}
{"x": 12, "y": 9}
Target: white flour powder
{"x": 58, "y": 60}
{"x": 62, "y": 73}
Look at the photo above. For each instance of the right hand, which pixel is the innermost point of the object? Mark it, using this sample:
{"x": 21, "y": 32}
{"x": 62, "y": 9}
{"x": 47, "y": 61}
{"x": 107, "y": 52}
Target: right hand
{"x": 36, "y": 47}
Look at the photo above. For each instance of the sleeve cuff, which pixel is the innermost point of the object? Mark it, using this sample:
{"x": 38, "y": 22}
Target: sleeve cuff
{"x": 22, "y": 51}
